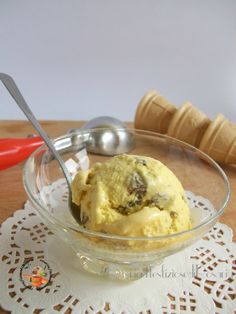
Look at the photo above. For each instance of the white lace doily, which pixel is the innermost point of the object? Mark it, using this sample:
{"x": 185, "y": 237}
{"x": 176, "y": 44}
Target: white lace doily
{"x": 200, "y": 279}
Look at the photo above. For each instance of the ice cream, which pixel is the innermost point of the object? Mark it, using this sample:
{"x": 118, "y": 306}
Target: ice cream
{"x": 131, "y": 196}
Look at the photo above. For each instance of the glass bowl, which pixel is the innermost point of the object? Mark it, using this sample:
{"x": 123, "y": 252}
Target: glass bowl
{"x": 206, "y": 185}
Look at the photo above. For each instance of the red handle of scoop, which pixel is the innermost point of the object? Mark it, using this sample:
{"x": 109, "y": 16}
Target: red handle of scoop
{"x": 15, "y": 150}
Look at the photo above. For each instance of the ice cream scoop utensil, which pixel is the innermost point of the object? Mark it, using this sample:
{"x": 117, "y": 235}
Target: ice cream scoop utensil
{"x": 112, "y": 139}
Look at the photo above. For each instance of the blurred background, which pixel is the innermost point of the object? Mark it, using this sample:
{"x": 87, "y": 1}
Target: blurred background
{"x": 77, "y": 59}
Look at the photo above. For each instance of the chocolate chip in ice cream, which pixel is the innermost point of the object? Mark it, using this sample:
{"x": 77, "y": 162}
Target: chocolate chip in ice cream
{"x": 141, "y": 161}
{"x": 173, "y": 214}
{"x": 136, "y": 184}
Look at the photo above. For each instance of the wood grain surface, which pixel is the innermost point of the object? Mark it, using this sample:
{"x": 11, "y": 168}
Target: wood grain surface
{"x": 13, "y": 196}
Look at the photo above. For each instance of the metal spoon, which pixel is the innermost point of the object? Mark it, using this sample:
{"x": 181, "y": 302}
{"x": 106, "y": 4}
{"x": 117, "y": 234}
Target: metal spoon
{"x": 19, "y": 99}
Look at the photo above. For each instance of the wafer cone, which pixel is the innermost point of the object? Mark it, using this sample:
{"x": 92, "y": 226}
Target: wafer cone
{"x": 219, "y": 140}
{"x": 188, "y": 124}
{"x": 154, "y": 113}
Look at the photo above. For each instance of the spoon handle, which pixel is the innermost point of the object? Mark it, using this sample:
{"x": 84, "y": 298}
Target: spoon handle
{"x": 12, "y": 88}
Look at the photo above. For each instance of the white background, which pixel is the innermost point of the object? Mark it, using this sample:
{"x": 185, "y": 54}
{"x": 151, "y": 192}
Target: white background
{"x": 76, "y": 59}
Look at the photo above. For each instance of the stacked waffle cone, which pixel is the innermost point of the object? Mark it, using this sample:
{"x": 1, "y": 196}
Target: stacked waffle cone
{"x": 217, "y": 138}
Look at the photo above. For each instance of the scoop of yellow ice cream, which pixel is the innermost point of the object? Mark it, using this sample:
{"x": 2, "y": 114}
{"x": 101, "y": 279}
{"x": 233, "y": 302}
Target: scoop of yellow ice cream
{"x": 132, "y": 196}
